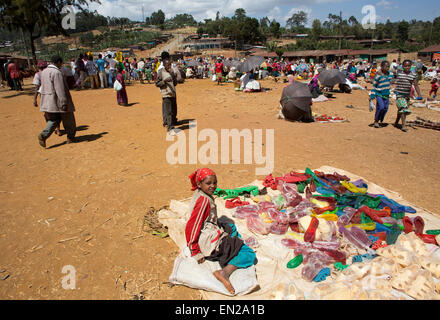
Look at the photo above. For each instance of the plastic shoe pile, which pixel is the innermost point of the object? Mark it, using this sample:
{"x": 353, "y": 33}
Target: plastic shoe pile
{"x": 326, "y": 219}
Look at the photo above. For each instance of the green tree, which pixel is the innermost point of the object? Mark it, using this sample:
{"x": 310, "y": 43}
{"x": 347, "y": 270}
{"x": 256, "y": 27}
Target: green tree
{"x": 274, "y": 29}
{"x": 316, "y": 29}
{"x": 402, "y": 31}
{"x": 240, "y": 14}
{"x": 157, "y": 18}
{"x": 297, "y": 20}
{"x": 32, "y": 16}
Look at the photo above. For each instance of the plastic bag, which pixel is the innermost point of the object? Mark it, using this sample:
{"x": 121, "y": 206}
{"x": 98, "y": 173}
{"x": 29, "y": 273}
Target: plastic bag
{"x": 371, "y": 107}
{"x": 214, "y": 78}
{"x": 117, "y": 86}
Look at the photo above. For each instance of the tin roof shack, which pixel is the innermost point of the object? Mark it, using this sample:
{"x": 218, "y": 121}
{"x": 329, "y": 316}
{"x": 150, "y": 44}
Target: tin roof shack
{"x": 371, "y": 55}
{"x": 317, "y": 55}
{"x": 428, "y": 53}
{"x": 209, "y": 43}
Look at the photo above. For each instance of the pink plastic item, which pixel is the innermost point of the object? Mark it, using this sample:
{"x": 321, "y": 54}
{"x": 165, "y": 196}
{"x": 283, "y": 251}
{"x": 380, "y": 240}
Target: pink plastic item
{"x": 346, "y": 218}
{"x": 278, "y": 216}
{"x": 356, "y": 236}
{"x": 246, "y": 211}
{"x": 294, "y": 244}
{"x": 251, "y": 242}
{"x": 254, "y": 224}
{"x": 278, "y": 228}
{"x": 263, "y": 206}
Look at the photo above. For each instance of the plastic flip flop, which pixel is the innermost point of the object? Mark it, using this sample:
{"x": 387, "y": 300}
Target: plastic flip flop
{"x": 295, "y": 262}
{"x": 322, "y": 275}
{"x": 393, "y": 234}
{"x": 419, "y": 224}
{"x": 408, "y": 225}
{"x": 339, "y": 266}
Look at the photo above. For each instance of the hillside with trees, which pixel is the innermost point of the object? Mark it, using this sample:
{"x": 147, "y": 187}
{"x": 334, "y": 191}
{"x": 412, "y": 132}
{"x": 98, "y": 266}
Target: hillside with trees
{"x": 26, "y": 23}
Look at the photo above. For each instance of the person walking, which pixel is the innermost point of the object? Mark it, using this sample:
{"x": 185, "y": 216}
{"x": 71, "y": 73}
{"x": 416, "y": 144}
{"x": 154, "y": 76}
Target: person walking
{"x": 56, "y": 101}
{"x": 167, "y": 82}
{"x": 15, "y": 76}
{"x": 121, "y": 95}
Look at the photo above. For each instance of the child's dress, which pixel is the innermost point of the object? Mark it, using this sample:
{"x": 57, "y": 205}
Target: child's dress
{"x": 216, "y": 241}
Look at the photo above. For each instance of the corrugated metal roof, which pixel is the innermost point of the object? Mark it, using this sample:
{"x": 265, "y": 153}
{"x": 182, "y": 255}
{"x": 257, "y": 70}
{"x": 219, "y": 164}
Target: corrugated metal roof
{"x": 435, "y": 48}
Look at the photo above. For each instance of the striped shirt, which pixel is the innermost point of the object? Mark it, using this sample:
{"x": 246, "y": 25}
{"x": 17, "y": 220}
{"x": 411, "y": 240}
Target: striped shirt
{"x": 382, "y": 85}
{"x": 404, "y": 83}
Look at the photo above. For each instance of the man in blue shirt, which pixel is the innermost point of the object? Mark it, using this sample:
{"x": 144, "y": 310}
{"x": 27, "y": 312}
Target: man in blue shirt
{"x": 101, "y": 64}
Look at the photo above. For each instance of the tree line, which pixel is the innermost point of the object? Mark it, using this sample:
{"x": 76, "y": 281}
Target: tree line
{"x": 32, "y": 19}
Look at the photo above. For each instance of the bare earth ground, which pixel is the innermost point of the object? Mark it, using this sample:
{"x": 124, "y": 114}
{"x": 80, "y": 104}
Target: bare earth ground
{"x": 83, "y": 204}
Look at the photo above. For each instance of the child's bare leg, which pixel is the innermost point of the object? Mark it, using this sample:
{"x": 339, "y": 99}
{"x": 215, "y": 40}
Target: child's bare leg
{"x": 223, "y": 276}
{"x": 397, "y": 119}
{"x": 404, "y": 128}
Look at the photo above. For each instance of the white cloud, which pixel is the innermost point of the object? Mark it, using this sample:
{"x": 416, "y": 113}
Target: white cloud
{"x": 385, "y": 4}
{"x": 280, "y": 10}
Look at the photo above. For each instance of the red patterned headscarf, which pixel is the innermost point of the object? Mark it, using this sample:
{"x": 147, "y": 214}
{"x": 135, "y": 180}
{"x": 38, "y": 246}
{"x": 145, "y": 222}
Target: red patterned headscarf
{"x": 199, "y": 175}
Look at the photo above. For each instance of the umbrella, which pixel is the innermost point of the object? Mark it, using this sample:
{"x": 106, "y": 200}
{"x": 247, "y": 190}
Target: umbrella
{"x": 331, "y": 77}
{"x": 418, "y": 65}
{"x": 231, "y": 63}
{"x": 251, "y": 63}
{"x": 296, "y": 96}
{"x": 192, "y": 63}
{"x": 302, "y": 67}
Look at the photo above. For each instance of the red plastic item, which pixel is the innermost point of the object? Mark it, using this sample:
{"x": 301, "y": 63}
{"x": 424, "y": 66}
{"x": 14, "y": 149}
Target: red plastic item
{"x": 269, "y": 182}
{"x": 236, "y": 202}
{"x": 371, "y": 213}
{"x": 322, "y": 210}
{"x": 407, "y": 224}
{"x": 379, "y": 244}
{"x": 428, "y": 238}
{"x": 312, "y": 186}
{"x": 329, "y": 200}
{"x": 309, "y": 236}
{"x": 381, "y": 235}
{"x": 337, "y": 255}
{"x": 294, "y": 226}
{"x": 356, "y": 219}
{"x": 308, "y": 193}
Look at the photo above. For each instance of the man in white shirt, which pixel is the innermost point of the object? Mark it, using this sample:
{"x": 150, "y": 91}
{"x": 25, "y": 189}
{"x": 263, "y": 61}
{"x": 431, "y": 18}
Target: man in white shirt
{"x": 141, "y": 70}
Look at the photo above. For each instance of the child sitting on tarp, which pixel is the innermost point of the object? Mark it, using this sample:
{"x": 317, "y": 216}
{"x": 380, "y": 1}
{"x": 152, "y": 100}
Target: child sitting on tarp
{"x": 207, "y": 237}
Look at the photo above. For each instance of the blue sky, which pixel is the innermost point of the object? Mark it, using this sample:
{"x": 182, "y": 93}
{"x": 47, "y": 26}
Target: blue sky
{"x": 281, "y": 10}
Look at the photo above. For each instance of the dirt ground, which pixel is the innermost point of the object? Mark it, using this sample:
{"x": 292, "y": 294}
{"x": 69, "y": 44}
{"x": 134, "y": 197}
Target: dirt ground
{"x": 84, "y": 204}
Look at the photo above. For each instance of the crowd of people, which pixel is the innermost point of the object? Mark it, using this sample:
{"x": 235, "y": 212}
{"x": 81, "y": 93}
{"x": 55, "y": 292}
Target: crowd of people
{"x": 110, "y": 70}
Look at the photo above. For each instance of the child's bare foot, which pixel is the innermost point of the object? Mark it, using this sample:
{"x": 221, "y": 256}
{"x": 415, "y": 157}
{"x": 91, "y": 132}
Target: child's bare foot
{"x": 221, "y": 276}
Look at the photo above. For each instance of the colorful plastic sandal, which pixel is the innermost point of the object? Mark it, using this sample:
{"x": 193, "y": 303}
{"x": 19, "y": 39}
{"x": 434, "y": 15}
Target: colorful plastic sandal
{"x": 322, "y": 275}
{"x": 393, "y": 234}
{"x": 295, "y": 262}
{"x": 339, "y": 266}
{"x": 309, "y": 235}
{"x": 433, "y": 232}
